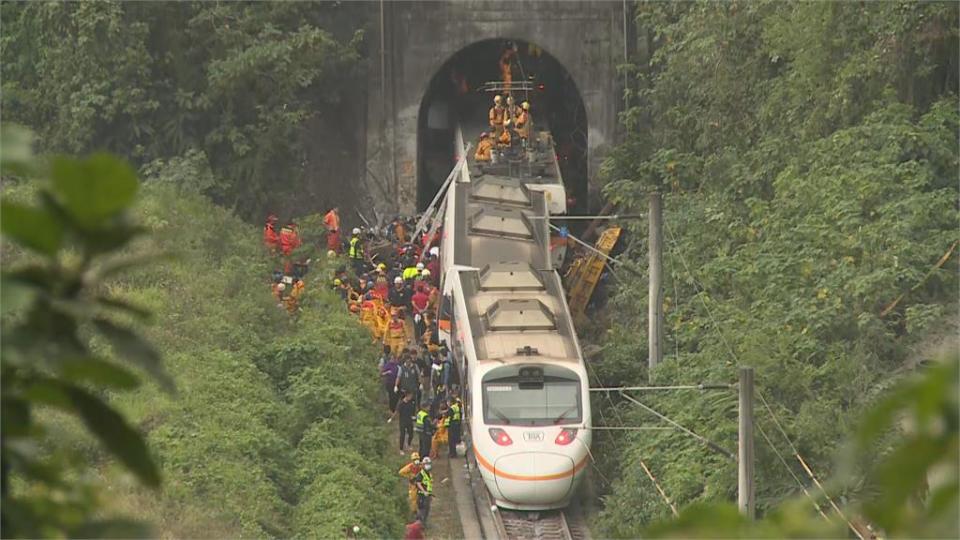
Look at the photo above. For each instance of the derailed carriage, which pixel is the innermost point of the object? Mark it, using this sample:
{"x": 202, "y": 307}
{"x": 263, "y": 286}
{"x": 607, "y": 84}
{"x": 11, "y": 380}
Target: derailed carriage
{"x": 504, "y": 313}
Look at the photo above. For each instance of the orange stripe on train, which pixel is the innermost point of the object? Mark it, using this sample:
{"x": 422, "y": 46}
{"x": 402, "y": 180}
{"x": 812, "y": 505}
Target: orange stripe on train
{"x": 524, "y": 477}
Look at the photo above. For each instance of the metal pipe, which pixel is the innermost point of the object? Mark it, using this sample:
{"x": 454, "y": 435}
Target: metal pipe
{"x": 614, "y": 216}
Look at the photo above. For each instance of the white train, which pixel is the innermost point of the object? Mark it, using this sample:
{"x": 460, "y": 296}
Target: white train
{"x": 503, "y": 310}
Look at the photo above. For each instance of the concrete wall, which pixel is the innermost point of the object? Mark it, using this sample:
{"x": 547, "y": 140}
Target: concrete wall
{"x": 586, "y": 37}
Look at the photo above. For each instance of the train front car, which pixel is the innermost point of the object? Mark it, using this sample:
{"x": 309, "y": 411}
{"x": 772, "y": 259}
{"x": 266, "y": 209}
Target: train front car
{"x": 505, "y": 313}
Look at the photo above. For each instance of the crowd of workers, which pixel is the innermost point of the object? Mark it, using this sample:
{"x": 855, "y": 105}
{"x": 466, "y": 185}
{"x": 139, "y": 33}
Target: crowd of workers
{"x": 391, "y": 286}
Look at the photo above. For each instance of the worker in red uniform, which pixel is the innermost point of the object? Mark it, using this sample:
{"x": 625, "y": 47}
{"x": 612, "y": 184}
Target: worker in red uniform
{"x": 270, "y": 238}
{"x": 420, "y": 300}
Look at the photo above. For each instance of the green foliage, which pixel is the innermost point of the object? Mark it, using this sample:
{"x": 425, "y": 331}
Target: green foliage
{"x": 75, "y": 228}
{"x": 808, "y": 157}
{"x": 231, "y": 85}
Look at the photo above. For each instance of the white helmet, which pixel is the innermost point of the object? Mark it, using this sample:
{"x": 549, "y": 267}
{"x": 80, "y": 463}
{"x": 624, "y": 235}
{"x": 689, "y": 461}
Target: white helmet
{"x": 398, "y": 279}
{"x": 356, "y": 230}
{"x": 281, "y": 287}
{"x": 331, "y": 253}
{"x": 435, "y": 251}
{"x": 425, "y": 273}
{"x": 419, "y": 266}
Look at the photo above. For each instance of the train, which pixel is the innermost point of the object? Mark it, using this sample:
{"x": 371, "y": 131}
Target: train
{"x": 504, "y": 315}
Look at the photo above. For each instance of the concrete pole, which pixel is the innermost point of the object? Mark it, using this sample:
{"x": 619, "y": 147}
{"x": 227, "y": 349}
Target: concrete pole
{"x": 655, "y": 297}
{"x": 745, "y": 486}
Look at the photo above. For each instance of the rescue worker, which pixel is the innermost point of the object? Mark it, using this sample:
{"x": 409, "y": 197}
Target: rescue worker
{"x": 523, "y": 122}
{"x": 423, "y": 427}
{"x": 419, "y": 302}
{"x": 506, "y": 65}
{"x": 270, "y": 238}
{"x": 278, "y": 289}
{"x": 396, "y": 334}
{"x": 388, "y": 375}
{"x": 355, "y": 253}
{"x": 331, "y": 221}
{"x": 414, "y": 531}
{"x": 424, "y": 483}
{"x": 497, "y": 114}
{"x": 410, "y": 471}
{"x": 292, "y": 301}
{"x": 383, "y": 321}
{"x": 399, "y": 296}
{"x": 506, "y": 137}
{"x": 381, "y": 287}
{"x": 512, "y": 110}
{"x": 440, "y": 436}
{"x": 289, "y": 239}
{"x": 368, "y": 313}
{"x": 408, "y": 380}
{"x": 453, "y": 429}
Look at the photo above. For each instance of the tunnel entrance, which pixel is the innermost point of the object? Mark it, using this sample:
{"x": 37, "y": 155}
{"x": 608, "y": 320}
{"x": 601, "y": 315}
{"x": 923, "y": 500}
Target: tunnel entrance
{"x": 454, "y": 96}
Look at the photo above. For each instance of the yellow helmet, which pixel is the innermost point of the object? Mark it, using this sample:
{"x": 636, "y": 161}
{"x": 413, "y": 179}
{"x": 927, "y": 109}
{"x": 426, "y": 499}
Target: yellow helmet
{"x": 497, "y": 99}
{"x": 337, "y": 282}
{"x": 525, "y": 105}
{"x": 415, "y": 456}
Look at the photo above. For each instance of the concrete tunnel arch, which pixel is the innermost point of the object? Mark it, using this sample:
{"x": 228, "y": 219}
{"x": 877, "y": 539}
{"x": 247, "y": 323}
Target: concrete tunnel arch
{"x": 451, "y": 97}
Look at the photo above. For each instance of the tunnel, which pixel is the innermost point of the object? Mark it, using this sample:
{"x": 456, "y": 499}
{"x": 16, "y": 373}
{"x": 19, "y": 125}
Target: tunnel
{"x": 454, "y": 96}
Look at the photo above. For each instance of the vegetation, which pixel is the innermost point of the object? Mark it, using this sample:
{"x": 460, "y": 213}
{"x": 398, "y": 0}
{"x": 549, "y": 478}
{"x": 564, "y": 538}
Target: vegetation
{"x": 240, "y": 87}
{"x": 808, "y": 157}
{"x": 270, "y": 432}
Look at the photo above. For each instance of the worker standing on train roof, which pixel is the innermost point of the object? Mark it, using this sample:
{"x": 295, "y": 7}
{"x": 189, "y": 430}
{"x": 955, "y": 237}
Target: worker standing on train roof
{"x": 497, "y": 114}
{"x": 506, "y": 137}
{"x": 523, "y": 122}
{"x": 484, "y": 148}
{"x": 356, "y": 252}
{"x": 270, "y": 238}
{"x": 424, "y": 483}
{"x": 512, "y": 109}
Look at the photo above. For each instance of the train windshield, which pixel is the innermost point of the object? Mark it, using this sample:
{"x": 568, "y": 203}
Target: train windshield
{"x": 514, "y": 401}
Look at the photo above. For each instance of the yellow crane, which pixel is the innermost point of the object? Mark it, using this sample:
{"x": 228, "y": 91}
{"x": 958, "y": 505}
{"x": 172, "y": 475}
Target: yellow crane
{"x": 584, "y": 273}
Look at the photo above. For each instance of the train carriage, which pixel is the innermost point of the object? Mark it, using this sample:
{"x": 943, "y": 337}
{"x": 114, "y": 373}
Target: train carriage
{"x": 505, "y": 315}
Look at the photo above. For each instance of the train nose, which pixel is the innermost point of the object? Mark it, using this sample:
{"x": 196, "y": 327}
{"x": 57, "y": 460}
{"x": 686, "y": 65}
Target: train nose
{"x": 534, "y": 477}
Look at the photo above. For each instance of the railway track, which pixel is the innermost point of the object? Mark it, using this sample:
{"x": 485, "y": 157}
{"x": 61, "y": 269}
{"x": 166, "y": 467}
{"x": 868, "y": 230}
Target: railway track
{"x": 551, "y": 525}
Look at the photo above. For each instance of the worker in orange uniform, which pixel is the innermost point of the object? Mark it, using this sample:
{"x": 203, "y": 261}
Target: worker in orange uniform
{"x": 396, "y": 334}
{"x": 506, "y": 137}
{"x": 484, "y": 148}
{"x": 289, "y": 239}
{"x": 506, "y": 65}
{"x": 409, "y": 471}
{"x": 331, "y": 221}
{"x": 368, "y": 312}
{"x": 523, "y": 122}
{"x": 512, "y": 109}
{"x": 270, "y": 238}
{"x": 497, "y": 114}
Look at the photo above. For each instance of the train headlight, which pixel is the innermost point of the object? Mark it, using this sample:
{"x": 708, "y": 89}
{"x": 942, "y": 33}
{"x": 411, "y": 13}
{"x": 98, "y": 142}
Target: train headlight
{"x": 500, "y": 437}
{"x": 566, "y": 436}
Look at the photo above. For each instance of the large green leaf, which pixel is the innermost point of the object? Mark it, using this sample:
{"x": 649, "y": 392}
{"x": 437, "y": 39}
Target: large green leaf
{"x": 129, "y": 346}
{"x": 95, "y": 188}
{"x": 32, "y": 228}
{"x": 114, "y": 432}
{"x": 99, "y": 372}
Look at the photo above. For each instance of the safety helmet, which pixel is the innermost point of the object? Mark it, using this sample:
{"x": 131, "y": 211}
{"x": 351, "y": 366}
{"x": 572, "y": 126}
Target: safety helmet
{"x": 381, "y": 266}
{"x": 435, "y": 251}
{"x": 509, "y": 100}
{"x": 427, "y": 460}
{"x": 331, "y": 253}
{"x": 506, "y": 122}
{"x": 484, "y": 135}
{"x": 356, "y": 230}
{"x": 281, "y": 286}
{"x": 419, "y": 266}
{"x": 497, "y": 99}
{"x": 425, "y": 273}
{"x": 398, "y": 279}
{"x": 272, "y": 218}
{"x": 525, "y": 105}
{"x": 337, "y": 282}
{"x": 415, "y": 456}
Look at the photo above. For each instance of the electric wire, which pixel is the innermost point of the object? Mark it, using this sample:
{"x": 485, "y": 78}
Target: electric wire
{"x": 723, "y": 338}
{"x": 676, "y": 424}
{"x": 790, "y": 470}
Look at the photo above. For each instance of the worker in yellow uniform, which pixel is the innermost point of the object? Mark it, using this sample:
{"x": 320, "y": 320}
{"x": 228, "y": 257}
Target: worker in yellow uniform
{"x": 410, "y": 471}
{"x": 355, "y": 252}
{"x": 396, "y": 334}
{"x": 368, "y": 313}
{"x": 484, "y": 148}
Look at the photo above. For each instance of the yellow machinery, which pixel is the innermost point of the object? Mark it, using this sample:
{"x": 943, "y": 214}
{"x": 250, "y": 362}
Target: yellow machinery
{"x": 584, "y": 273}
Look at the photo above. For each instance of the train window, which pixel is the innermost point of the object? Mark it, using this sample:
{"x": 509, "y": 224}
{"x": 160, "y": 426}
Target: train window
{"x": 512, "y": 400}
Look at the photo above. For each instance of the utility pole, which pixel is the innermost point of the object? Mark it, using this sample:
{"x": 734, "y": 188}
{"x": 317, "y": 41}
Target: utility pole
{"x": 745, "y": 486}
{"x": 655, "y": 297}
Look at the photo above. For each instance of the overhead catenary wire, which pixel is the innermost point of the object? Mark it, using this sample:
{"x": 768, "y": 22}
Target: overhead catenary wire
{"x": 790, "y": 470}
{"x": 701, "y": 291}
{"x": 682, "y": 428}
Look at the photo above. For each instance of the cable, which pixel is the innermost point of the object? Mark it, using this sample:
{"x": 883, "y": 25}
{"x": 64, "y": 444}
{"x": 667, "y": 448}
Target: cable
{"x": 789, "y": 470}
{"x": 806, "y": 468}
{"x": 700, "y": 438}
{"x": 653, "y": 479}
